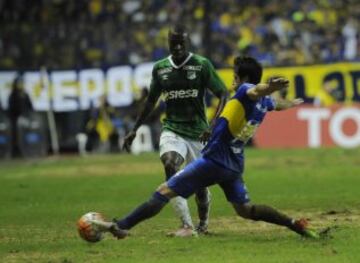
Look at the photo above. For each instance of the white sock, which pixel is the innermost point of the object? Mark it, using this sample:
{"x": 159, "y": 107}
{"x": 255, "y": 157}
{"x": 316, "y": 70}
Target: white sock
{"x": 182, "y": 210}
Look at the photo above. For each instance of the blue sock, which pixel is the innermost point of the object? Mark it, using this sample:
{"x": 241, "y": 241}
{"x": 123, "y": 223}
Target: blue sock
{"x": 145, "y": 211}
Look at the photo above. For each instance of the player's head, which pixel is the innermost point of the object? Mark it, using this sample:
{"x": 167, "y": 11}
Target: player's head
{"x": 18, "y": 84}
{"x": 178, "y": 42}
{"x": 247, "y": 69}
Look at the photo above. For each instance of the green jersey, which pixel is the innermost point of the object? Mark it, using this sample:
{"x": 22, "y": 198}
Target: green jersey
{"x": 183, "y": 88}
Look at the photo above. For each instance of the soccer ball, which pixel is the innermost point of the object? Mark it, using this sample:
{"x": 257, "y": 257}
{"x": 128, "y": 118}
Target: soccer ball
{"x": 89, "y": 231}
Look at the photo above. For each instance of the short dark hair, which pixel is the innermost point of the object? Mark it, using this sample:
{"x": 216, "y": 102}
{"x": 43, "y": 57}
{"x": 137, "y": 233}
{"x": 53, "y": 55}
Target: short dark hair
{"x": 178, "y": 29}
{"x": 248, "y": 67}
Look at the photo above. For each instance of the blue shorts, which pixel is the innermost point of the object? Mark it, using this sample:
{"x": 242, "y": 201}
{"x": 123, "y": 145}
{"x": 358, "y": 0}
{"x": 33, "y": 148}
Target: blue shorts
{"x": 204, "y": 172}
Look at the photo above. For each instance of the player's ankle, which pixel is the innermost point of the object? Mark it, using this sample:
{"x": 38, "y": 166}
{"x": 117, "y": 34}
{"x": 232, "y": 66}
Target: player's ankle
{"x": 121, "y": 223}
{"x": 202, "y": 228}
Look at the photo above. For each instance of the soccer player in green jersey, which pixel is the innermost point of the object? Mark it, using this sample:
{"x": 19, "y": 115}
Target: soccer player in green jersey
{"x": 183, "y": 79}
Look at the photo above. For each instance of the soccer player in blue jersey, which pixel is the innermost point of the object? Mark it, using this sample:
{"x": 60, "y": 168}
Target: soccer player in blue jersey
{"x": 222, "y": 160}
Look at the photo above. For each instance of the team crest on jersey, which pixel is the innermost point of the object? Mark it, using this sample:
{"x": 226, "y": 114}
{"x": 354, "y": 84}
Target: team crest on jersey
{"x": 191, "y": 75}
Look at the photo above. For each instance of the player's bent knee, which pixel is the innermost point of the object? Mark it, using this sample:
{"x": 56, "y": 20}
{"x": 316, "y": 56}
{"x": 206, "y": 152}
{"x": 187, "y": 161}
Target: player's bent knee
{"x": 166, "y": 191}
{"x": 170, "y": 168}
{"x": 172, "y": 162}
{"x": 161, "y": 188}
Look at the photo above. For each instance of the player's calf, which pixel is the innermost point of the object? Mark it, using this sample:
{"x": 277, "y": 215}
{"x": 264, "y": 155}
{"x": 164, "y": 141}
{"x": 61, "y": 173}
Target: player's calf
{"x": 203, "y": 198}
{"x": 145, "y": 211}
{"x": 271, "y": 215}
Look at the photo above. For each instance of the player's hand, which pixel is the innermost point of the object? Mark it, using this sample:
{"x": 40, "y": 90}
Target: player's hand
{"x": 297, "y": 102}
{"x": 205, "y": 136}
{"x": 278, "y": 83}
{"x": 128, "y": 140}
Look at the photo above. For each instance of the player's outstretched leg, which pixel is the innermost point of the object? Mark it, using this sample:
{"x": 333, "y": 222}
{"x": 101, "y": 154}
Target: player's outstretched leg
{"x": 172, "y": 162}
{"x": 146, "y": 210}
{"x": 150, "y": 208}
{"x": 203, "y": 198}
{"x": 271, "y": 215}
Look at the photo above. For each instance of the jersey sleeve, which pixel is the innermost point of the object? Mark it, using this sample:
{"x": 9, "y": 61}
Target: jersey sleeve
{"x": 241, "y": 93}
{"x": 155, "y": 86}
{"x": 214, "y": 83}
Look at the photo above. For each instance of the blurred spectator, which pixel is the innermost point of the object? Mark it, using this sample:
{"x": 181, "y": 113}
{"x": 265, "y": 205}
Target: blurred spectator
{"x": 101, "y": 127}
{"x": 5, "y": 135}
{"x": 349, "y": 33}
{"x": 329, "y": 94}
{"x": 19, "y": 105}
{"x": 64, "y": 34}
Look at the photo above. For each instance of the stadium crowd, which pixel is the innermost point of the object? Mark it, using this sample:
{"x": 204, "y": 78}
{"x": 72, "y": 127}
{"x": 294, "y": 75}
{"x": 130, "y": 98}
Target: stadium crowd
{"x": 99, "y": 33}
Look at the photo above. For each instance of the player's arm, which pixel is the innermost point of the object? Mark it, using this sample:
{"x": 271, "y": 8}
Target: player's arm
{"x": 218, "y": 88}
{"x": 154, "y": 94}
{"x": 145, "y": 112}
{"x": 205, "y": 136}
{"x": 222, "y": 96}
{"x": 284, "y": 104}
{"x": 264, "y": 89}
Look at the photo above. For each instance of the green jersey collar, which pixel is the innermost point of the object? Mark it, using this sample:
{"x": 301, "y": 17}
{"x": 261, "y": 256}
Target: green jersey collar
{"x": 182, "y": 64}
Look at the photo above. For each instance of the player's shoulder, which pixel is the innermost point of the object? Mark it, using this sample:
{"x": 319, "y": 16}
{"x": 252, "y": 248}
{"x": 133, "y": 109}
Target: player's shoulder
{"x": 241, "y": 92}
{"x": 242, "y": 89}
{"x": 201, "y": 59}
{"x": 164, "y": 62}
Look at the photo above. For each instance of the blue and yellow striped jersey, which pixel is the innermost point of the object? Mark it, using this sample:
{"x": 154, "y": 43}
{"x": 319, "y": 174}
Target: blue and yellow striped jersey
{"x": 235, "y": 126}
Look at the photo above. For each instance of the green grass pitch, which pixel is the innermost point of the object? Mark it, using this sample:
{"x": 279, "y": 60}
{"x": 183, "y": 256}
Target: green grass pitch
{"x": 42, "y": 200}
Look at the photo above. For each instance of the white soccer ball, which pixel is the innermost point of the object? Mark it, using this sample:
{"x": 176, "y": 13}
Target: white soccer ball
{"x": 87, "y": 229}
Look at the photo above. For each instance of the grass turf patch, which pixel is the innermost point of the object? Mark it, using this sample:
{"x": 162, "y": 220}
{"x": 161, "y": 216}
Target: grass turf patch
{"x": 41, "y": 201}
